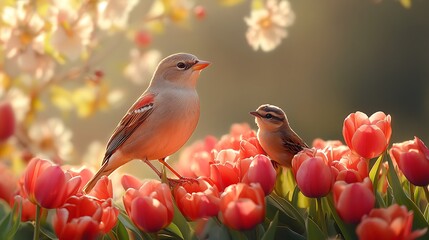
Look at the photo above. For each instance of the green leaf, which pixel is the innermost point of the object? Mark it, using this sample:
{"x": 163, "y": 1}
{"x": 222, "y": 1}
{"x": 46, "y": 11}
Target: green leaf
{"x": 180, "y": 221}
{"x": 48, "y": 232}
{"x": 347, "y": 230}
{"x": 270, "y": 234}
{"x": 121, "y": 231}
{"x": 9, "y": 225}
{"x": 294, "y": 217}
{"x": 313, "y": 230}
{"x": 373, "y": 174}
{"x": 402, "y": 199}
{"x": 215, "y": 230}
{"x": 174, "y": 230}
{"x": 123, "y": 218}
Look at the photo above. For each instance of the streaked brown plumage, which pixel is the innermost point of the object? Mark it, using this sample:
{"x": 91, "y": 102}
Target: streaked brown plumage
{"x": 276, "y": 136}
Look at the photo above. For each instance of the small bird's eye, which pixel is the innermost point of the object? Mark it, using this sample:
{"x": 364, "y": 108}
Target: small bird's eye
{"x": 268, "y": 116}
{"x": 181, "y": 65}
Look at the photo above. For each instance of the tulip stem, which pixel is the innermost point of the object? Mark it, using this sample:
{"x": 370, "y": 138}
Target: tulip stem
{"x": 37, "y": 223}
{"x": 412, "y": 189}
{"x": 425, "y": 189}
{"x": 321, "y": 215}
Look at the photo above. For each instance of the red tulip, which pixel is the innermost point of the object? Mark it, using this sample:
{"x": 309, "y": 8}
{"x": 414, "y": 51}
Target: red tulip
{"x": 354, "y": 200}
{"x": 7, "y": 121}
{"x": 47, "y": 185}
{"x": 261, "y": 171}
{"x": 237, "y": 133}
{"x": 224, "y": 174}
{"x": 197, "y": 199}
{"x": 368, "y": 137}
{"x": 242, "y": 206}
{"x": 313, "y": 175}
{"x": 250, "y": 148}
{"x": 84, "y": 217}
{"x": 351, "y": 168}
{"x": 8, "y": 186}
{"x": 412, "y": 158}
{"x": 195, "y": 160}
{"x": 394, "y": 222}
{"x": 153, "y": 198}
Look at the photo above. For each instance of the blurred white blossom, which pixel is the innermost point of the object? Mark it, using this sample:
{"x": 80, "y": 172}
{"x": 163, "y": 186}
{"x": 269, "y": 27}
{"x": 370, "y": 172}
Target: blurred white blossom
{"x": 114, "y": 13}
{"x": 23, "y": 39}
{"x": 267, "y": 24}
{"x": 19, "y": 100}
{"x": 71, "y": 30}
{"x": 141, "y": 65}
{"x": 51, "y": 139}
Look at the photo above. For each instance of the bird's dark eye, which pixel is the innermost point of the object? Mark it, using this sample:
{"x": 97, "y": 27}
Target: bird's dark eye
{"x": 268, "y": 116}
{"x": 181, "y": 65}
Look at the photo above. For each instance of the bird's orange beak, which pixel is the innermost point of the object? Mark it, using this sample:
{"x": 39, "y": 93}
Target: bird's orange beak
{"x": 256, "y": 114}
{"x": 200, "y": 65}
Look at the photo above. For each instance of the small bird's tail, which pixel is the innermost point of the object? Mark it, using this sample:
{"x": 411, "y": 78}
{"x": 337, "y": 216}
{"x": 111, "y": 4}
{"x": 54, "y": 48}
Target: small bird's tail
{"x": 103, "y": 171}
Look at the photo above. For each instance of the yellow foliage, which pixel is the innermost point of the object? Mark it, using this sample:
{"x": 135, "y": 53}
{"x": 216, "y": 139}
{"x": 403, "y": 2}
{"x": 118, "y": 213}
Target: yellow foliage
{"x": 230, "y": 3}
{"x": 406, "y": 3}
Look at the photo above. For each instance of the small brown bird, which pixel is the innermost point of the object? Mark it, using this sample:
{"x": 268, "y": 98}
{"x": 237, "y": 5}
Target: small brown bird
{"x": 161, "y": 120}
{"x": 276, "y": 136}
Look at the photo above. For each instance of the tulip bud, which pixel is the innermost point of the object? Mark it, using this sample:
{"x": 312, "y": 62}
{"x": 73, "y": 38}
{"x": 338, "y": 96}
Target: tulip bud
{"x": 313, "y": 175}
{"x": 354, "y": 200}
{"x": 242, "y": 206}
{"x": 412, "y": 158}
{"x": 368, "y": 137}
{"x": 261, "y": 171}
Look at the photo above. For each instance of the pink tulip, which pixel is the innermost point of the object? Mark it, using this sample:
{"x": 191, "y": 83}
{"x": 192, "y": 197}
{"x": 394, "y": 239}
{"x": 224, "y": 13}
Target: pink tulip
{"x": 313, "y": 175}
{"x": 412, "y": 158}
{"x": 261, "y": 171}
{"x": 242, "y": 206}
{"x": 47, "y": 185}
{"x": 368, "y": 137}
{"x": 197, "y": 199}
{"x": 354, "y": 200}
{"x": 394, "y": 222}
{"x": 152, "y": 199}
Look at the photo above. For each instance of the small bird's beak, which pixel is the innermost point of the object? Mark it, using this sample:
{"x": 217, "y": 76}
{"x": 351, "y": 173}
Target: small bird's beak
{"x": 200, "y": 65}
{"x": 256, "y": 114}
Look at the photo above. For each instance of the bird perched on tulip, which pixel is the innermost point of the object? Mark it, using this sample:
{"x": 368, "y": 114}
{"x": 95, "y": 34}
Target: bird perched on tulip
{"x": 276, "y": 136}
{"x": 161, "y": 120}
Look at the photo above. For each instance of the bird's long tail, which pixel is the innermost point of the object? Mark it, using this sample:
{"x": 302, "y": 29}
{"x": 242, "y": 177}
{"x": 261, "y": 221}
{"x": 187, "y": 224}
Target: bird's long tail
{"x": 103, "y": 171}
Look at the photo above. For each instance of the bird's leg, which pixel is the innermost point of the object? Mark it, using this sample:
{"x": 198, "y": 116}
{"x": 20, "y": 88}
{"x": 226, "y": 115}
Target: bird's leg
{"x": 175, "y": 181}
{"x": 153, "y": 168}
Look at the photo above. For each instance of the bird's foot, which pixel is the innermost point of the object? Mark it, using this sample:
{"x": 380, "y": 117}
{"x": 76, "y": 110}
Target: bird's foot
{"x": 182, "y": 180}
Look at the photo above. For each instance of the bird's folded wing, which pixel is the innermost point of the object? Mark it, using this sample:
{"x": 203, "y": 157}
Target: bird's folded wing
{"x": 135, "y": 116}
{"x": 294, "y": 143}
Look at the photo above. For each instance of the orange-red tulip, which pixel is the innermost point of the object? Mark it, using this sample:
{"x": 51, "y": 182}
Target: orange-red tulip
{"x": 152, "y": 199}
{"x": 353, "y": 200}
{"x": 412, "y": 158}
{"x": 87, "y": 216}
{"x": 261, "y": 171}
{"x": 242, "y": 206}
{"x": 224, "y": 174}
{"x": 84, "y": 217}
{"x": 197, "y": 199}
{"x": 368, "y": 137}
{"x": 47, "y": 185}
{"x": 313, "y": 175}
{"x": 392, "y": 223}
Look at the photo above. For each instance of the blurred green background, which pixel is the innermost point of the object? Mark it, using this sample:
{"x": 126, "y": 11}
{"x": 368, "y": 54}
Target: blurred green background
{"x": 340, "y": 57}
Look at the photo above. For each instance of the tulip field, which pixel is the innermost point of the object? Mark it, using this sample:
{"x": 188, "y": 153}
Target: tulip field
{"x": 70, "y": 68}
